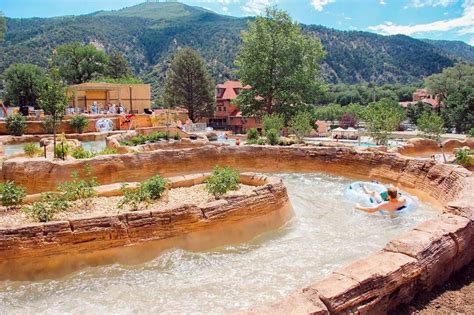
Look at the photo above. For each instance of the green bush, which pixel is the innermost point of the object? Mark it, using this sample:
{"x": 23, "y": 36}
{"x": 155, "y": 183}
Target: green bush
{"x": 45, "y": 209}
{"x": 222, "y": 180}
{"x": 273, "y": 136}
{"x": 62, "y": 150}
{"x": 79, "y": 123}
{"x": 108, "y": 151}
{"x": 252, "y": 134}
{"x": 471, "y": 132}
{"x": 12, "y": 195}
{"x": 462, "y": 157}
{"x": 81, "y": 153}
{"x": 135, "y": 198}
{"x": 300, "y": 125}
{"x": 32, "y": 150}
{"x": 79, "y": 188}
{"x": 156, "y": 136}
{"x": 273, "y": 121}
{"x": 16, "y": 124}
{"x": 177, "y": 136}
{"x": 261, "y": 141}
{"x": 251, "y": 141}
{"x": 155, "y": 186}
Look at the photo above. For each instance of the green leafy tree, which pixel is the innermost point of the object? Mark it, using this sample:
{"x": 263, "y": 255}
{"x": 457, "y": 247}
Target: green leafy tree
{"x": 300, "y": 124}
{"x": 189, "y": 84}
{"x": 415, "y": 111}
{"x": 331, "y": 112}
{"x": 16, "y": 124}
{"x": 54, "y": 100}
{"x": 431, "y": 125}
{"x": 280, "y": 63}
{"x": 455, "y": 88}
{"x": 382, "y": 118}
{"x": 117, "y": 66}
{"x": 458, "y": 110}
{"x": 79, "y": 63}
{"x": 23, "y": 83}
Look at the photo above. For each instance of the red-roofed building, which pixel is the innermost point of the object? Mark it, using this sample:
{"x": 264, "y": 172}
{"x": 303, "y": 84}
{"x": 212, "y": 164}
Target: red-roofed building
{"x": 423, "y": 96}
{"x": 227, "y": 115}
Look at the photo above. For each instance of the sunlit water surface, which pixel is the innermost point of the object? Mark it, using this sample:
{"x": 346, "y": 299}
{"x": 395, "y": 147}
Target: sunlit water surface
{"x": 325, "y": 234}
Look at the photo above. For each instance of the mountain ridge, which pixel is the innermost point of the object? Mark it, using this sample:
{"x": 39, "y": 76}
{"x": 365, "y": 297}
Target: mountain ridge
{"x": 149, "y": 33}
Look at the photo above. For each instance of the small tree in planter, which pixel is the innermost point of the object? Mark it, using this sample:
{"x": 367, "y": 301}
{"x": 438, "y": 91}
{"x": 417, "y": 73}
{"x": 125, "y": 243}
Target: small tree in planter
{"x": 222, "y": 180}
{"x": 431, "y": 126}
{"x": 300, "y": 125}
{"x": 79, "y": 123}
{"x": 53, "y": 100}
{"x": 16, "y": 124}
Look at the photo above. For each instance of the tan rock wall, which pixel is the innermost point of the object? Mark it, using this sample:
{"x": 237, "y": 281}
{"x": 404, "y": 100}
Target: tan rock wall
{"x": 56, "y": 248}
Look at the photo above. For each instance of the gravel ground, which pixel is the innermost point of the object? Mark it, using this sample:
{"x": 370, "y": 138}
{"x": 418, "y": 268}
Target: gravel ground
{"x": 456, "y": 296}
{"x": 196, "y": 195}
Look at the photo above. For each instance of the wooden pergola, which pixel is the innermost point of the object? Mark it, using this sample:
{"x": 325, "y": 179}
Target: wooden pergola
{"x": 101, "y": 87}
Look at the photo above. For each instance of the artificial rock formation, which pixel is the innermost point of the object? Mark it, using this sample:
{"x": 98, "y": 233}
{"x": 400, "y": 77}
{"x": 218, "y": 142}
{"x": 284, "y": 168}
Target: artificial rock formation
{"x": 55, "y": 248}
{"x": 412, "y": 262}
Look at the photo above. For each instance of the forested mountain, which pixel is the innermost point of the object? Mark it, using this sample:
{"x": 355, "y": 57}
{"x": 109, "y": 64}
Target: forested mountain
{"x": 148, "y": 34}
{"x": 456, "y": 49}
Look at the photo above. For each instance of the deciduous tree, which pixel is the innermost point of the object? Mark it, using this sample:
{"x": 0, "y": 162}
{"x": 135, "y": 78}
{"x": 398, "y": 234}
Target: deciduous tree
{"x": 189, "y": 84}
{"x": 79, "y": 63}
{"x": 382, "y": 118}
{"x": 280, "y": 63}
{"x": 23, "y": 83}
{"x": 117, "y": 66}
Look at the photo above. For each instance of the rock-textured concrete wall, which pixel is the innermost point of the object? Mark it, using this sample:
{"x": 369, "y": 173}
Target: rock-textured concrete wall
{"x": 426, "y": 178}
{"x": 412, "y": 262}
{"x": 421, "y": 146}
{"x": 56, "y": 248}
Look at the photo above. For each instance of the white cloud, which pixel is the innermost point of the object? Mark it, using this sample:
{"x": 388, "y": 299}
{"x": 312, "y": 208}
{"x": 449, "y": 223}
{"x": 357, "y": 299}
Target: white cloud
{"x": 319, "y": 4}
{"x": 256, "y": 6}
{"x": 430, "y": 3}
{"x": 464, "y": 22}
{"x": 382, "y": 2}
{"x": 471, "y": 41}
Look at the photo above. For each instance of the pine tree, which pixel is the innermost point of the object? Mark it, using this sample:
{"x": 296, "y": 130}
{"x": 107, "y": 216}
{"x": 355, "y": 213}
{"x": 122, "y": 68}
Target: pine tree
{"x": 118, "y": 67}
{"x": 189, "y": 84}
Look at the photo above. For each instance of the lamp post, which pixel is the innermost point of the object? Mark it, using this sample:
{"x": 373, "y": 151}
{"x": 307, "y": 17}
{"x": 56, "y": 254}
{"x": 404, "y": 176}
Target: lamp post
{"x": 131, "y": 103}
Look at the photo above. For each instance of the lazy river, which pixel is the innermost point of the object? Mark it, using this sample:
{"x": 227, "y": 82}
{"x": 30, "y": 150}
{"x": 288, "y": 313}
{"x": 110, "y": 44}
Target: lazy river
{"x": 326, "y": 233}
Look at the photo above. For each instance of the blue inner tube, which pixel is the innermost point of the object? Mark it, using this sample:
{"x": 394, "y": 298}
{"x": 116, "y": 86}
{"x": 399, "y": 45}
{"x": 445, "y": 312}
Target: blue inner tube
{"x": 354, "y": 193}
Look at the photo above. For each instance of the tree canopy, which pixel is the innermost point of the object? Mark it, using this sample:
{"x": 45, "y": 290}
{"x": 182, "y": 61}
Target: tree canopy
{"x": 189, "y": 84}
{"x": 117, "y": 66}
{"x": 79, "y": 63}
{"x": 382, "y": 118}
{"x": 280, "y": 63}
{"x": 23, "y": 84}
{"x": 3, "y": 27}
{"x": 431, "y": 125}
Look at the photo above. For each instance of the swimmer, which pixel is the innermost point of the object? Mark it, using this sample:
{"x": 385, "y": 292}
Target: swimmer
{"x": 388, "y": 202}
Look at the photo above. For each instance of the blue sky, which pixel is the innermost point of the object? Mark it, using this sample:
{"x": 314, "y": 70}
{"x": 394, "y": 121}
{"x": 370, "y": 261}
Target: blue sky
{"x": 435, "y": 19}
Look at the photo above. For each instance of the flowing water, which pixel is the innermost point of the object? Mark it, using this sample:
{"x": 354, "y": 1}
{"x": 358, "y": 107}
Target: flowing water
{"x": 325, "y": 234}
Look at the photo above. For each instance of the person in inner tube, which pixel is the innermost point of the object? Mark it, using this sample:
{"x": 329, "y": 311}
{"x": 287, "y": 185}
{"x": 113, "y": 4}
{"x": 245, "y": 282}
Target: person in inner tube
{"x": 389, "y": 201}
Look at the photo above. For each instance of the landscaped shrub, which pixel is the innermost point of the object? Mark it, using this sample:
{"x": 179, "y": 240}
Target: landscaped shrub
{"x": 12, "y": 195}
{"x": 62, "y": 150}
{"x": 142, "y": 139}
{"x": 81, "y": 153}
{"x": 135, "y": 198}
{"x": 177, "y": 136}
{"x": 471, "y": 132}
{"x": 462, "y": 157}
{"x": 32, "y": 150}
{"x": 251, "y": 141}
{"x": 49, "y": 204}
{"x": 273, "y": 121}
{"x": 79, "y": 123}
{"x": 156, "y": 186}
{"x": 300, "y": 125}
{"x": 107, "y": 151}
{"x": 261, "y": 141}
{"x": 79, "y": 188}
{"x": 222, "y": 180}
{"x": 16, "y": 124}
{"x": 273, "y": 136}
{"x": 252, "y": 134}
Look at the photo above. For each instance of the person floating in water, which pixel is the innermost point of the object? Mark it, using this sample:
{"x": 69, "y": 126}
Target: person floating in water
{"x": 387, "y": 201}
